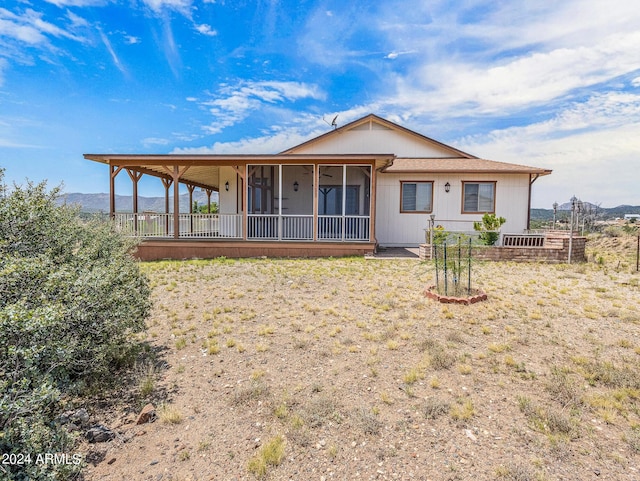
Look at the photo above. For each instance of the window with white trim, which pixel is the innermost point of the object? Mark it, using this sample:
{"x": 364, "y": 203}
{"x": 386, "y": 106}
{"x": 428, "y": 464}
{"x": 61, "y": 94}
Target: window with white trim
{"x": 416, "y": 197}
{"x": 478, "y": 197}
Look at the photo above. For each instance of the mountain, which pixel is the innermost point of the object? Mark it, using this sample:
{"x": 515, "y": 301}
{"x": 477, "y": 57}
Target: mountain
{"x": 92, "y": 203}
{"x": 588, "y": 205}
{"x": 602, "y": 213}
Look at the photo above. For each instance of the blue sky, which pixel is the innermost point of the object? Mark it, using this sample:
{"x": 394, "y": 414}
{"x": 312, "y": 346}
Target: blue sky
{"x": 547, "y": 84}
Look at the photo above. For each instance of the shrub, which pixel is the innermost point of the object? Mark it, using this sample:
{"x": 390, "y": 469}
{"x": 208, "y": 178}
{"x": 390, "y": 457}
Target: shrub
{"x": 489, "y": 228}
{"x": 71, "y": 296}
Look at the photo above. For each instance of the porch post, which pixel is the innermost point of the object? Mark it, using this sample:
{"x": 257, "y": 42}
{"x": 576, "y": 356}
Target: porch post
{"x": 208, "y": 191}
{"x": 279, "y": 202}
{"x": 113, "y": 172}
{"x": 190, "y": 189}
{"x": 245, "y": 199}
{"x": 242, "y": 174}
{"x": 372, "y": 204}
{"x": 112, "y": 193}
{"x": 135, "y": 177}
{"x": 344, "y": 201}
{"x": 176, "y": 201}
{"x": 315, "y": 187}
{"x": 166, "y": 183}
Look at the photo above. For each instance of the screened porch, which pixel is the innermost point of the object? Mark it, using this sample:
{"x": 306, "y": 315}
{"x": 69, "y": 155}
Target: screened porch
{"x": 261, "y": 198}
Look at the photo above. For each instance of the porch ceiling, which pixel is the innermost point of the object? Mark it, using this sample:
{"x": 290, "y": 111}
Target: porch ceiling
{"x": 206, "y": 176}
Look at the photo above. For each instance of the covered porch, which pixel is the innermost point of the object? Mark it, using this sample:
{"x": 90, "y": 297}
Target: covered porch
{"x": 319, "y": 203}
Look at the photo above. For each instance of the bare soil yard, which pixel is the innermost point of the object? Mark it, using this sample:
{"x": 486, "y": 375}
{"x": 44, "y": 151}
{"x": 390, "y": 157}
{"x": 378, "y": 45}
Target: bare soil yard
{"x": 340, "y": 369}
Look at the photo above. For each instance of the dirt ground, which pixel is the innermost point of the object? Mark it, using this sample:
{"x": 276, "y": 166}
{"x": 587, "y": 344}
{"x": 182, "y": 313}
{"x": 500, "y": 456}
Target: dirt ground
{"x": 341, "y": 369}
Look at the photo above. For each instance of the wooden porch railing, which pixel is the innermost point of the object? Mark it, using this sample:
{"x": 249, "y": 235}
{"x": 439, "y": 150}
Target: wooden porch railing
{"x": 228, "y": 226}
{"x": 259, "y": 226}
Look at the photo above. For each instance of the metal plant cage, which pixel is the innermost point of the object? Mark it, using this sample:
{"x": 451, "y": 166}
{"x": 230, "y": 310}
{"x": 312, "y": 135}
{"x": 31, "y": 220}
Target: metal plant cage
{"x": 452, "y": 259}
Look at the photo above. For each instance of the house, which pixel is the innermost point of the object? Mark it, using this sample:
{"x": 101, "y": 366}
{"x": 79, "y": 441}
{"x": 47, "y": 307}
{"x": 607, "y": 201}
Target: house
{"x": 368, "y": 183}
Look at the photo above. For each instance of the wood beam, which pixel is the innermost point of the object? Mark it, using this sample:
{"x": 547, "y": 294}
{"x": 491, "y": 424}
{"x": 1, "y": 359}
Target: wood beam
{"x": 169, "y": 175}
{"x": 239, "y": 171}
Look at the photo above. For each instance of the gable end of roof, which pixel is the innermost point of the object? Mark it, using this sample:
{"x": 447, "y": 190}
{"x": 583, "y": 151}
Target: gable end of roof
{"x": 379, "y": 120}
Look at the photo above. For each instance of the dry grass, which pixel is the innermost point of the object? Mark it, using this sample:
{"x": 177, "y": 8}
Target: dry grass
{"x": 270, "y": 454}
{"x": 346, "y": 363}
{"x": 170, "y": 414}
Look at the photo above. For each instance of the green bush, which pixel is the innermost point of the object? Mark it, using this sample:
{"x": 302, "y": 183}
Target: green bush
{"x": 489, "y": 228}
{"x": 71, "y": 296}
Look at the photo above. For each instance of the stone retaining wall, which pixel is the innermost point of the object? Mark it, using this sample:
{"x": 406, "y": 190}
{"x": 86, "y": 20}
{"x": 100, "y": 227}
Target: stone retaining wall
{"x": 555, "y": 251}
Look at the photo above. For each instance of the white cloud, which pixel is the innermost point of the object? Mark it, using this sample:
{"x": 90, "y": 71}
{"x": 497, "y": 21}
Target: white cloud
{"x": 592, "y": 148}
{"x": 76, "y": 20}
{"x": 17, "y": 28}
{"x": 30, "y": 28}
{"x": 131, "y": 40}
{"x": 152, "y": 141}
{"x": 112, "y": 52}
{"x": 78, "y": 3}
{"x": 171, "y": 51}
{"x": 233, "y": 103}
{"x": 3, "y": 66}
{"x": 601, "y": 111}
{"x": 206, "y": 30}
{"x": 570, "y": 23}
{"x": 265, "y": 144}
{"x": 536, "y": 78}
{"x": 636, "y": 82}
{"x": 298, "y": 129}
{"x": 183, "y": 6}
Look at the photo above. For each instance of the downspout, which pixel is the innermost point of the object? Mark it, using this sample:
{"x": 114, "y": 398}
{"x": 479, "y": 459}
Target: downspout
{"x": 531, "y": 181}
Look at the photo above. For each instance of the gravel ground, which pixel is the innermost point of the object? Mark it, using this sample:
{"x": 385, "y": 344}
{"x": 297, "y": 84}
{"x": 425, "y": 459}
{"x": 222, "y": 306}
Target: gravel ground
{"x": 336, "y": 369}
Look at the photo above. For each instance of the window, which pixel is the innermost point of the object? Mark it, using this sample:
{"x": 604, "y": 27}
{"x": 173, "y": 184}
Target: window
{"x": 416, "y": 197}
{"x": 478, "y": 197}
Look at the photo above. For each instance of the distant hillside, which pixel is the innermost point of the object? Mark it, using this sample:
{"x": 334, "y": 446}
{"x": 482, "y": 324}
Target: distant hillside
{"x": 602, "y": 212}
{"x": 92, "y": 203}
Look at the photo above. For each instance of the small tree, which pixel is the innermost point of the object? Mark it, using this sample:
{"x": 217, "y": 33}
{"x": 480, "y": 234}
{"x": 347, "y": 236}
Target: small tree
{"x": 452, "y": 262}
{"x": 71, "y": 296}
{"x": 489, "y": 228}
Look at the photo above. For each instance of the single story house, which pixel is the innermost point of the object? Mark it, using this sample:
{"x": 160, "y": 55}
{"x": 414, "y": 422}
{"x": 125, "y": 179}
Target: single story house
{"x": 368, "y": 183}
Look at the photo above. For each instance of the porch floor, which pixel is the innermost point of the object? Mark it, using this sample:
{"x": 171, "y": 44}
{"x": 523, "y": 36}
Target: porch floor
{"x": 395, "y": 253}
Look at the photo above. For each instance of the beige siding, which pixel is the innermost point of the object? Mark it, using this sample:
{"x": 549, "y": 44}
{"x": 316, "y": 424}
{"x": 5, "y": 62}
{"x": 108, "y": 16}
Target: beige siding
{"x": 227, "y": 200}
{"x": 385, "y": 141}
{"x": 396, "y": 229}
